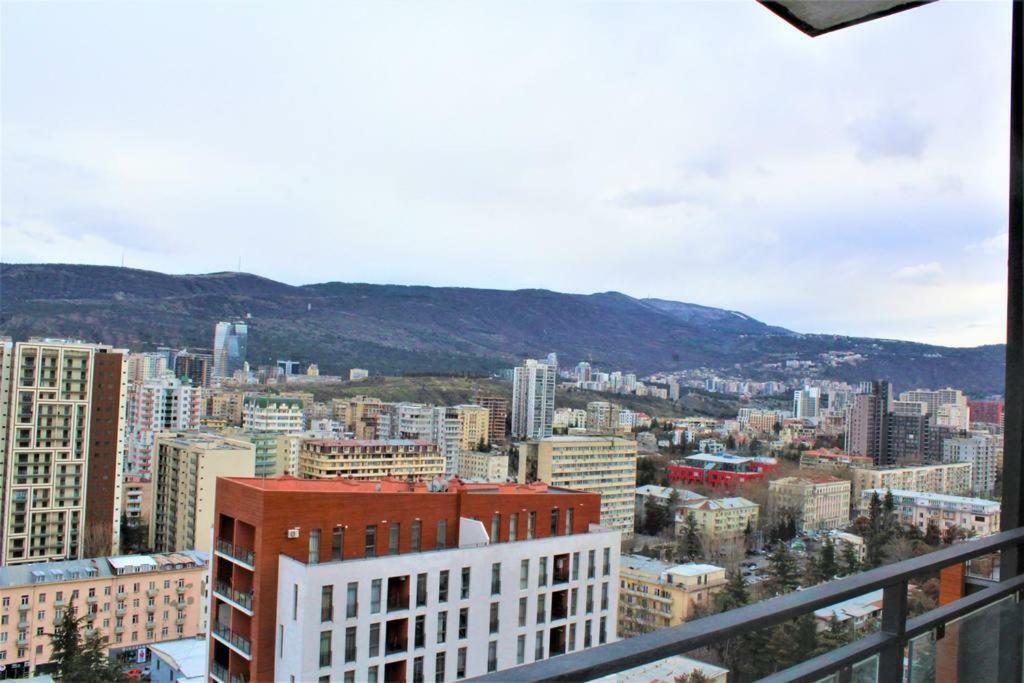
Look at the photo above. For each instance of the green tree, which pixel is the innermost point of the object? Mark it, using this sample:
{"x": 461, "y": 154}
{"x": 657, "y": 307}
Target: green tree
{"x": 833, "y": 637}
{"x": 734, "y": 595}
{"x": 827, "y": 564}
{"x": 656, "y": 518}
{"x": 876, "y": 536}
{"x": 690, "y": 548}
{"x": 695, "y": 676}
{"x": 78, "y": 659}
{"x": 482, "y": 446}
{"x": 851, "y": 563}
{"x": 782, "y": 570}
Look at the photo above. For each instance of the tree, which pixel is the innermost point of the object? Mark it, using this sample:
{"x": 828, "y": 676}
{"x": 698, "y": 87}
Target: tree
{"x": 656, "y": 518}
{"x": 953, "y": 534}
{"x": 851, "y": 563}
{"x": 695, "y": 676}
{"x": 833, "y": 637}
{"x": 782, "y": 570}
{"x": 730, "y": 442}
{"x": 876, "y": 537}
{"x": 734, "y": 595}
{"x": 78, "y": 659}
{"x": 690, "y": 547}
{"x": 482, "y": 446}
{"x": 827, "y": 564}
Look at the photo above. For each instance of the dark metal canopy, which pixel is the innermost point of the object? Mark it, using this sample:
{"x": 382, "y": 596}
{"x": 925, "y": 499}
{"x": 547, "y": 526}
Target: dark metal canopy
{"x": 815, "y": 17}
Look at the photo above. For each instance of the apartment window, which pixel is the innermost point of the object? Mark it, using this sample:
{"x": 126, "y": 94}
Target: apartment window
{"x": 522, "y": 611}
{"x": 590, "y": 599}
{"x": 541, "y": 608}
{"x": 352, "y": 599}
{"x": 338, "y": 543}
{"x": 295, "y": 601}
{"x": 442, "y": 626}
{"x": 417, "y": 670}
{"x": 575, "y": 566}
{"x": 375, "y": 588}
{"x": 460, "y": 663}
{"x": 463, "y": 622}
{"x": 442, "y": 586}
{"x": 538, "y": 646}
{"x": 464, "y": 588}
{"x": 572, "y": 637}
{"x": 521, "y": 649}
{"x": 314, "y": 546}
{"x": 604, "y": 595}
{"x": 393, "y": 535}
{"x": 494, "y": 623}
{"x": 496, "y": 528}
{"x": 586, "y": 634}
{"x": 280, "y": 641}
{"x": 349, "y": 677}
{"x": 442, "y": 532}
{"x": 513, "y": 526}
{"x": 439, "y": 668}
{"x": 415, "y": 541}
{"x": 524, "y": 574}
{"x": 374, "y": 639}
{"x": 496, "y": 578}
{"x": 370, "y": 545}
{"x": 350, "y": 644}
{"x": 569, "y": 517}
{"x": 492, "y": 656}
{"x": 325, "y": 648}
{"x": 371, "y": 675}
{"x": 327, "y": 603}
{"x": 591, "y": 563}
{"x": 574, "y": 601}
{"x": 542, "y": 571}
{"x": 606, "y": 567}
{"x": 602, "y": 633}
{"x": 531, "y": 524}
{"x": 420, "y": 631}
{"x": 421, "y": 590}
{"x": 554, "y": 522}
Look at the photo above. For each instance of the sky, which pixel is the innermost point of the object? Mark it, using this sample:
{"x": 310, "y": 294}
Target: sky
{"x": 854, "y": 183}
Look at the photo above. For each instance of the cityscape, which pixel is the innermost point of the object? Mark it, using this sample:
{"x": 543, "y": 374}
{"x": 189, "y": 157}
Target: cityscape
{"x": 511, "y": 342}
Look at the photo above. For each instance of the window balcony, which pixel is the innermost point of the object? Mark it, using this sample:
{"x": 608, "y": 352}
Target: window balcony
{"x": 241, "y": 556}
{"x": 239, "y": 598}
{"x": 235, "y": 641}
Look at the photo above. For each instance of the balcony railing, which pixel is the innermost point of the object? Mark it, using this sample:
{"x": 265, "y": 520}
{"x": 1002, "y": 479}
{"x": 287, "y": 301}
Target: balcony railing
{"x": 236, "y": 553}
{"x": 235, "y": 640}
{"x": 242, "y": 598}
{"x": 219, "y": 672}
{"x": 888, "y": 644}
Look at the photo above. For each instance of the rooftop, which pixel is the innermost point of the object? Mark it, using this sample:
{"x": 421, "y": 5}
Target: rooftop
{"x": 345, "y": 485}
{"x": 664, "y": 671}
{"x": 724, "y": 458}
{"x": 190, "y": 656}
{"x": 934, "y": 497}
{"x": 78, "y": 570}
{"x": 720, "y": 504}
{"x": 370, "y": 442}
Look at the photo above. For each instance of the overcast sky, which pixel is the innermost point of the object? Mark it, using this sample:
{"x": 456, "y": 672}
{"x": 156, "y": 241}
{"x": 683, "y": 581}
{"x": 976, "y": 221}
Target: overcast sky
{"x": 704, "y": 152}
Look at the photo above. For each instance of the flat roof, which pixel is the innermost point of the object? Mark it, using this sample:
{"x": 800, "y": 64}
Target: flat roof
{"x": 371, "y": 442}
{"x": 346, "y": 485}
{"x": 937, "y": 497}
{"x": 188, "y": 655}
{"x": 725, "y": 458}
{"x": 664, "y": 671}
{"x": 695, "y": 569}
{"x": 38, "y": 573}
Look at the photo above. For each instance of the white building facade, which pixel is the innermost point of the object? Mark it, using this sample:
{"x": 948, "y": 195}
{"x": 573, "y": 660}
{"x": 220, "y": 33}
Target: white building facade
{"x": 533, "y": 400}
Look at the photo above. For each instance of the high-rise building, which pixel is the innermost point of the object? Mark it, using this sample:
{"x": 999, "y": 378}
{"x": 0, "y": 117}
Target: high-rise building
{"x": 391, "y": 581}
{"x": 908, "y": 429}
{"x": 185, "y": 469}
{"x": 533, "y": 400}
{"x": 197, "y": 367}
{"x": 583, "y": 372}
{"x": 146, "y": 366}
{"x": 474, "y": 426}
{"x": 602, "y": 416}
{"x": 65, "y": 446}
{"x": 158, "y": 405}
{"x": 807, "y": 403}
{"x": 936, "y": 398}
{"x": 497, "y": 407}
{"x": 599, "y": 464}
{"x": 979, "y": 450}
{"x": 987, "y": 412}
{"x": 867, "y": 423}
{"x": 229, "y": 347}
{"x": 355, "y": 459}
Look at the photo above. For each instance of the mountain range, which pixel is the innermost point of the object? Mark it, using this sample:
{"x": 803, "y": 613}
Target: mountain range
{"x": 395, "y": 329}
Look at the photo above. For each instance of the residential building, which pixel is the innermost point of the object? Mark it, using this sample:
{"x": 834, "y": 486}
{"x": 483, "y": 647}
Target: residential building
{"x": 131, "y": 600}
{"x": 819, "y": 502}
{"x": 224, "y": 405}
{"x": 719, "y": 469}
{"x": 569, "y": 418}
{"x": 157, "y": 405}
{"x": 533, "y": 400}
{"x": 358, "y": 374}
{"x": 474, "y": 426}
{"x": 908, "y": 429}
{"x": 867, "y": 423}
{"x": 361, "y": 459}
{"x": 273, "y": 449}
{"x": 186, "y": 469}
{"x": 334, "y": 579}
{"x": 360, "y": 414}
{"x": 272, "y": 414}
{"x": 146, "y": 366}
{"x": 230, "y": 340}
{"x": 987, "y": 412}
{"x": 980, "y": 450}
{"x": 934, "y": 400}
{"x": 654, "y": 595}
{"x": 721, "y": 522}
{"x": 832, "y": 459}
{"x": 604, "y": 465}
{"x": 649, "y": 494}
{"x": 853, "y": 614}
{"x": 137, "y": 502}
{"x": 977, "y": 516}
{"x": 483, "y": 466}
{"x": 602, "y": 416}
{"x": 197, "y": 367}
{"x": 761, "y": 421}
{"x": 64, "y": 438}
{"x": 807, "y": 403}
{"x": 954, "y": 478}
{"x": 497, "y": 414}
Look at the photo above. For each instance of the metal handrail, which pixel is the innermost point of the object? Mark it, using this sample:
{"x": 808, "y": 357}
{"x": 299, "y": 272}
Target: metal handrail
{"x": 896, "y": 629}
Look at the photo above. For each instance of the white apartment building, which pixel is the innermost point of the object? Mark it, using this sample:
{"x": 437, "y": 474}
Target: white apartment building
{"x": 981, "y": 450}
{"x": 913, "y": 507}
{"x": 157, "y": 405}
{"x": 272, "y": 414}
{"x": 947, "y": 406}
{"x": 953, "y": 478}
{"x": 821, "y": 502}
{"x": 483, "y": 466}
{"x": 446, "y": 615}
{"x": 533, "y": 400}
{"x": 807, "y": 403}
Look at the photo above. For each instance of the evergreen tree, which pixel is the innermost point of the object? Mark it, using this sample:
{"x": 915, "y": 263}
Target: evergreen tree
{"x": 813, "y": 574}
{"x": 876, "y": 537}
{"x": 827, "y": 564}
{"x": 783, "y": 573}
{"x": 792, "y": 642}
{"x": 734, "y": 595}
{"x": 78, "y": 659}
{"x": 690, "y": 547}
{"x": 851, "y": 563}
{"x": 834, "y": 637}
{"x": 888, "y": 514}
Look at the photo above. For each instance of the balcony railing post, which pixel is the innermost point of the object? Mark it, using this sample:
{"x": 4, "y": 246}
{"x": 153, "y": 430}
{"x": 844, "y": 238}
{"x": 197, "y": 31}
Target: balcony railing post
{"x": 894, "y": 623}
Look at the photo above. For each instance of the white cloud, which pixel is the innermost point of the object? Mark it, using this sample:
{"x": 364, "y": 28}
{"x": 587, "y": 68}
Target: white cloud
{"x": 921, "y": 273}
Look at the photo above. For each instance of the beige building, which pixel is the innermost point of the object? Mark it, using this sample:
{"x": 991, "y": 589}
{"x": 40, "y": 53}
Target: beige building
{"x": 605, "y": 465}
{"x": 474, "y": 426}
{"x": 184, "y": 484}
{"x": 62, "y": 437}
{"x": 951, "y": 478}
{"x": 654, "y": 595}
{"x": 360, "y": 415}
{"x": 720, "y": 521}
{"x": 976, "y": 515}
{"x": 821, "y": 502}
{"x": 355, "y": 459}
{"x": 137, "y": 502}
{"x": 224, "y": 404}
{"x": 485, "y": 466}
{"x": 132, "y": 600}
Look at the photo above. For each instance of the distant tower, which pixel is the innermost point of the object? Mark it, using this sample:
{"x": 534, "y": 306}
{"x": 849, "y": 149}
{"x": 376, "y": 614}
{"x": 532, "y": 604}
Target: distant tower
{"x": 533, "y": 400}
{"x": 229, "y": 346}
